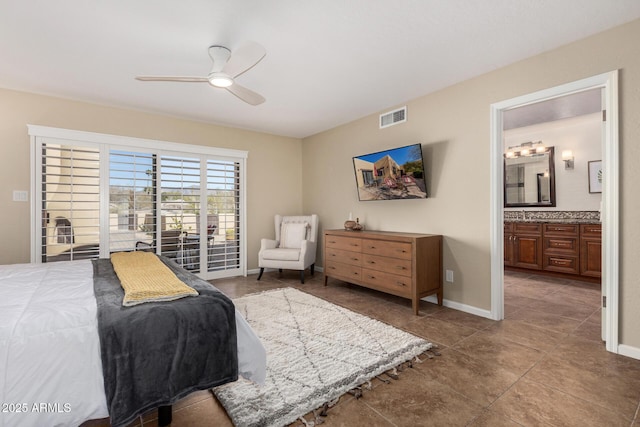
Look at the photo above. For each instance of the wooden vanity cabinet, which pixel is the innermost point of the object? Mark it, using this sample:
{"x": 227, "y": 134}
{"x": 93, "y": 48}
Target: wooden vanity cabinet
{"x": 565, "y": 248}
{"x": 408, "y": 265}
{"x": 523, "y": 245}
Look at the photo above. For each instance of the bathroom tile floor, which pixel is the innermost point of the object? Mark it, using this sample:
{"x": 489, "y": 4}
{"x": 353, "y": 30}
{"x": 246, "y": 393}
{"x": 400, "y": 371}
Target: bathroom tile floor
{"x": 544, "y": 364}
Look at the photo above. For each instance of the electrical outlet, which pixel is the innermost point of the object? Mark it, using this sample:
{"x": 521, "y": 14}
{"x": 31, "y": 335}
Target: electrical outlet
{"x": 449, "y": 276}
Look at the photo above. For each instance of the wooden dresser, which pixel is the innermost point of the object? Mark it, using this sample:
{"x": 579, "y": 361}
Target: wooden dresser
{"x": 404, "y": 264}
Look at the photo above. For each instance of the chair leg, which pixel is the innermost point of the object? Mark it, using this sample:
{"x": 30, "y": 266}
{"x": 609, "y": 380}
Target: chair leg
{"x": 312, "y": 268}
{"x": 302, "y": 276}
{"x": 261, "y": 271}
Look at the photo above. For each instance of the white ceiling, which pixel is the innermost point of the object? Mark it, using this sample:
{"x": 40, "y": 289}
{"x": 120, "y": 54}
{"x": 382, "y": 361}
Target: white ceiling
{"x": 328, "y": 62}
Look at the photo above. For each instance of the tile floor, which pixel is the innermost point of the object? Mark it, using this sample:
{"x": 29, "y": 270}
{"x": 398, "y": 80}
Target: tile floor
{"x": 545, "y": 364}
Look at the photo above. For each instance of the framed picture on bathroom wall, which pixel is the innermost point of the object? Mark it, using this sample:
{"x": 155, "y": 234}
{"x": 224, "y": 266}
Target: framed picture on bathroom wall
{"x": 595, "y": 176}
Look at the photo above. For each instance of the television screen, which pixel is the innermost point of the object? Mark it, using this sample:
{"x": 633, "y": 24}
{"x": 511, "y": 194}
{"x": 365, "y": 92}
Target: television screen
{"x": 397, "y": 173}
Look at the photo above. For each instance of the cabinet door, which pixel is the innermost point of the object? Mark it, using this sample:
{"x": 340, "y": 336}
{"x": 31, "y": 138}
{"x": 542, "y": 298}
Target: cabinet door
{"x": 527, "y": 251}
{"x": 508, "y": 243}
{"x": 508, "y": 249}
{"x": 591, "y": 257}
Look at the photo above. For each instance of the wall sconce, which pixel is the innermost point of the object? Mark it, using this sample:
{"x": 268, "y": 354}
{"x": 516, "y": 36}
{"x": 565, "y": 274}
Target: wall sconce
{"x": 567, "y": 158}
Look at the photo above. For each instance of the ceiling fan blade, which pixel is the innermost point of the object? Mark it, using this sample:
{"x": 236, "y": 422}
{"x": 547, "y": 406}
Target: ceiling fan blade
{"x": 187, "y": 79}
{"x": 247, "y": 95}
{"x": 243, "y": 59}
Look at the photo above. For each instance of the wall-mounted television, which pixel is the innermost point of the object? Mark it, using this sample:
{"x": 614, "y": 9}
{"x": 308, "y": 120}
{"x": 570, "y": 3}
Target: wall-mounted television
{"x": 393, "y": 174}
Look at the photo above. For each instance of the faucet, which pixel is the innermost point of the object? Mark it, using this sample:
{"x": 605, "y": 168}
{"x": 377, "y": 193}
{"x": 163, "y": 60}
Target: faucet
{"x": 524, "y": 215}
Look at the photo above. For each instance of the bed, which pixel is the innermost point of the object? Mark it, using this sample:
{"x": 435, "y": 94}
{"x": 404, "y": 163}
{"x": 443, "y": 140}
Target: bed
{"x": 51, "y": 369}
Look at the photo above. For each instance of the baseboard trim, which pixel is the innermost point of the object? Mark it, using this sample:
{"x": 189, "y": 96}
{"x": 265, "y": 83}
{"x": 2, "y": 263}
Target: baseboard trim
{"x": 461, "y": 307}
{"x": 257, "y": 270}
{"x": 629, "y": 351}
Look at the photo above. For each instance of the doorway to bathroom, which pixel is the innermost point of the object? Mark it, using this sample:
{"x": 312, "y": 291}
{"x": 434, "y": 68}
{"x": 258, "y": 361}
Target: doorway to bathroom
{"x": 606, "y": 85}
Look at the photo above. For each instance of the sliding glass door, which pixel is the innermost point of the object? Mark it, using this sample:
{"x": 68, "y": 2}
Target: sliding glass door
{"x": 98, "y": 197}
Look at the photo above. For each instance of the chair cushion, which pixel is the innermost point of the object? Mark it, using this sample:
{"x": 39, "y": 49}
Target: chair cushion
{"x": 292, "y": 234}
{"x": 281, "y": 254}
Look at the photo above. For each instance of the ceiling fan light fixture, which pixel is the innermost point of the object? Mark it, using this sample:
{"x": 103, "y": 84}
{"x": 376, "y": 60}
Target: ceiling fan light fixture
{"x": 220, "y": 80}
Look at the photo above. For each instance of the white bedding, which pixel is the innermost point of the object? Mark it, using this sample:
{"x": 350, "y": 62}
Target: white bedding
{"x": 50, "y": 366}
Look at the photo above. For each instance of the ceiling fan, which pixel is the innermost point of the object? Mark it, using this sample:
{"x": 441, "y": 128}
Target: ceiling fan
{"x": 226, "y": 67}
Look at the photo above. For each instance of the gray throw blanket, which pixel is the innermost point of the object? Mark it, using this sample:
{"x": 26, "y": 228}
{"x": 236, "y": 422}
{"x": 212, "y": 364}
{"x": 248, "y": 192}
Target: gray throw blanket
{"x": 154, "y": 354}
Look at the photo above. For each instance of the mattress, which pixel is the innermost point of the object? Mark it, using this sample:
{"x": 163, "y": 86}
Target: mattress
{"x": 50, "y": 366}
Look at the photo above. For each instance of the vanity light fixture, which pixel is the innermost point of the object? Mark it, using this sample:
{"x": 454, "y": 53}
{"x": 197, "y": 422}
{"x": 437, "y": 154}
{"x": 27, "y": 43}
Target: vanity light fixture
{"x": 567, "y": 158}
{"x": 528, "y": 148}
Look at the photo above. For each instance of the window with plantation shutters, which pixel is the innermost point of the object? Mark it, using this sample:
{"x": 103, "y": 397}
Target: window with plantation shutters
{"x": 97, "y": 194}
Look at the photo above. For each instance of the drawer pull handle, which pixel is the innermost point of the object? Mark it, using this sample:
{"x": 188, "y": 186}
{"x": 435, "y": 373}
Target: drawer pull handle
{"x": 372, "y": 262}
{"x": 332, "y": 241}
{"x": 400, "y": 283}
{"x": 353, "y": 244}
{"x": 332, "y": 268}
{"x": 400, "y": 267}
{"x": 354, "y": 259}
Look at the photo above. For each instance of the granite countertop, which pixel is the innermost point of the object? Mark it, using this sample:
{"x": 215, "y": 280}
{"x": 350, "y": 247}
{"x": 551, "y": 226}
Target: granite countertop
{"x": 558, "y": 217}
{"x": 555, "y": 220}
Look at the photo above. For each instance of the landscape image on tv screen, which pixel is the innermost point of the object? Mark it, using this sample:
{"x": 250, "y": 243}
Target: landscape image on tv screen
{"x": 397, "y": 173}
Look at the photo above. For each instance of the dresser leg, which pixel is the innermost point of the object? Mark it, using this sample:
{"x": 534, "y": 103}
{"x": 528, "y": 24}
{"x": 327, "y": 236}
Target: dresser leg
{"x": 440, "y": 297}
{"x": 415, "y": 302}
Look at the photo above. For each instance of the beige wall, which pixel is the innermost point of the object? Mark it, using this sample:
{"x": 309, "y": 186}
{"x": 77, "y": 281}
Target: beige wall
{"x": 453, "y": 126}
{"x": 273, "y": 165}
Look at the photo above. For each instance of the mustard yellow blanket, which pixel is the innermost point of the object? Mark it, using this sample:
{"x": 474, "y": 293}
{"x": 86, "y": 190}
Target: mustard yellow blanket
{"x": 145, "y": 278}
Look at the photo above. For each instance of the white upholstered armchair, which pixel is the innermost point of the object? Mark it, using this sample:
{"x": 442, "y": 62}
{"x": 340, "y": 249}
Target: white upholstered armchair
{"x": 294, "y": 247}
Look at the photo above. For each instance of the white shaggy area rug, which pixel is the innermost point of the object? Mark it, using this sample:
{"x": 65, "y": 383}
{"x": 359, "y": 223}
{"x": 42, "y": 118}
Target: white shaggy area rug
{"x": 316, "y": 351}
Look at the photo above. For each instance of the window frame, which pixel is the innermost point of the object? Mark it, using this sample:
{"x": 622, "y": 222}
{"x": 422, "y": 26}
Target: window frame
{"x": 107, "y": 142}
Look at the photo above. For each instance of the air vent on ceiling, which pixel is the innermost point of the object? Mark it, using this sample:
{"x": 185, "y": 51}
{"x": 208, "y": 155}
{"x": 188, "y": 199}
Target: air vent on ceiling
{"x": 393, "y": 117}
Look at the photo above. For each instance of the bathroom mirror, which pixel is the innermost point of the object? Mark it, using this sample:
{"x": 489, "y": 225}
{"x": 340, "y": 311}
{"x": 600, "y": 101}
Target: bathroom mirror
{"x": 529, "y": 181}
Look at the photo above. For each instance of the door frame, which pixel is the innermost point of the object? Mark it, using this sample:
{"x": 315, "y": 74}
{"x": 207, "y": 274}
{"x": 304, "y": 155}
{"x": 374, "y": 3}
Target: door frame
{"x": 610, "y": 195}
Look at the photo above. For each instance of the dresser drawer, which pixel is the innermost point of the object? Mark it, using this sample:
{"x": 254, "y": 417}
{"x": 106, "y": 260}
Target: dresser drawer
{"x": 346, "y": 257}
{"x": 561, "y": 229}
{"x": 387, "y": 249}
{"x": 567, "y": 245}
{"x": 345, "y": 243}
{"x": 398, "y": 266}
{"x": 389, "y": 282}
{"x": 561, "y": 263}
{"x": 347, "y": 272}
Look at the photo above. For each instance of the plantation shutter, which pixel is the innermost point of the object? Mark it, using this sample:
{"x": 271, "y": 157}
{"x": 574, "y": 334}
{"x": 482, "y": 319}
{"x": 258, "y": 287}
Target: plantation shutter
{"x": 132, "y": 197}
{"x": 223, "y": 215}
{"x": 180, "y": 205}
{"x": 69, "y": 199}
